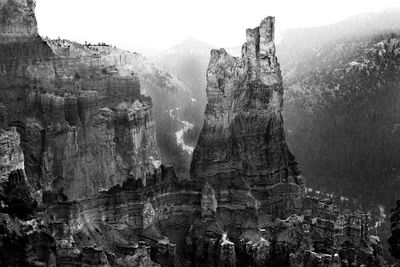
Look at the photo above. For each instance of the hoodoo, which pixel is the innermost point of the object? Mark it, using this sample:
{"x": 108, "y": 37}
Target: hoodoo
{"x": 242, "y": 145}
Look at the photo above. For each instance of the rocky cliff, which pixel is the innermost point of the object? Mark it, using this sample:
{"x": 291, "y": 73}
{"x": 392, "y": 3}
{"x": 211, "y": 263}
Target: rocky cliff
{"x": 254, "y": 210}
{"x": 242, "y": 144}
{"x": 18, "y": 21}
{"x": 11, "y": 155}
{"x": 81, "y": 184}
{"x": 73, "y": 125}
{"x": 83, "y": 124}
{"x": 173, "y": 104}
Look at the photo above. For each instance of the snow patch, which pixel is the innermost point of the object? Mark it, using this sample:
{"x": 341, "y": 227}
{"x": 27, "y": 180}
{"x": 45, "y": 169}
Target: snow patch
{"x": 155, "y": 163}
{"x": 382, "y": 216}
{"x": 342, "y": 198}
{"x": 225, "y": 240}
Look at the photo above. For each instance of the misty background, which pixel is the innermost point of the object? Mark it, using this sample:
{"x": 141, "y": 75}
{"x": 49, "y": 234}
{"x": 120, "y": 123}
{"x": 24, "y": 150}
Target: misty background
{"x": 151, "y": 26}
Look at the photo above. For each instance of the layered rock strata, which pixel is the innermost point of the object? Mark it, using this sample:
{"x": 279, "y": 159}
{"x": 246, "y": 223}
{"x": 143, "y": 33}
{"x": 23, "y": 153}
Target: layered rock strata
{"x": 254, "y": 211}
{"x": 18, "y": 21}
{"x": 242, "y": 145}
{"x": 91, "y": 191}
{"x": 83, "y": 124}
{"x": 124, "y": 226}
{"x": 11, "y": 155}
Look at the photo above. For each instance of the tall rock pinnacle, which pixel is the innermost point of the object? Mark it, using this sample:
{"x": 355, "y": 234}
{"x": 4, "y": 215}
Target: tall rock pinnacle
{"x": 242, "y": 143}
{"x": 254, "y": 211}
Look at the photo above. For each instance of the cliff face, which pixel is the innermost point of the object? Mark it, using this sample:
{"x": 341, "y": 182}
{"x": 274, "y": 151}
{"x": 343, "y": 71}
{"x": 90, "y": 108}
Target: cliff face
{"x": 18, "y": 21}
{"x": 11, "y": 155}
{"x": 73, "y": 123}
{"x": 242, "y": 144}
{"x": 83, "y": 124}
{"x": 173, "y": 107}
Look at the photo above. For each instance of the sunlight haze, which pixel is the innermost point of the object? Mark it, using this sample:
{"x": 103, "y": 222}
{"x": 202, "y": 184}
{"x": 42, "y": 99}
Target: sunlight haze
{"x": 150, "y": 26}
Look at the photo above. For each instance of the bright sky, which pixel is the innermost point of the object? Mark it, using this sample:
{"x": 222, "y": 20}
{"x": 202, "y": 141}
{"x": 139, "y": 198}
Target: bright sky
{"x": 150, "y": 26}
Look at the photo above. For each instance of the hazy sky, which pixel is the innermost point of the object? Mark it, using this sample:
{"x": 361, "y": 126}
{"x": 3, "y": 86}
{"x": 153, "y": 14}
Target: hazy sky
{"x": 150, "y": 26}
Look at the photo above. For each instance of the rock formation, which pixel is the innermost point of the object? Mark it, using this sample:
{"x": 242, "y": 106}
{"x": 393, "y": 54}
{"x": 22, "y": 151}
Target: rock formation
{"x": 18, "y": 21}
{"x": 394, "y": 240}
{"x": 254, "y": 209}
{"x": 83, "y": 124}
{"x": 82, "y": 185}
{"x": 11, "y": 155}
{"x": 242, "y": 144}
{"x": 73, "y": 126}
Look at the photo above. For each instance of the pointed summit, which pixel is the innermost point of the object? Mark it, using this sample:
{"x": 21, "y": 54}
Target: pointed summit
{"x": 242, "y": 143}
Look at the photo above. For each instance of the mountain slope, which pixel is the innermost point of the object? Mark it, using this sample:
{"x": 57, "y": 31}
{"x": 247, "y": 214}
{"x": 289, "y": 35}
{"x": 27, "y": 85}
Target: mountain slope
{"x": 299, "y": 43}
{"x": 342, "y": 121}
{"x": 346, "y": 98}
{"x": 188, "y": 61}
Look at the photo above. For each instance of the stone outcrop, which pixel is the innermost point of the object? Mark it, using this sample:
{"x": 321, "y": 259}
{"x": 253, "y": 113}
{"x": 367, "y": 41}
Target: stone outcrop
{"x": 11, "y": 155}
{"x": 242, "y": 145}
{"x": 320, "y": 236}
{"x": 17, "y": 200}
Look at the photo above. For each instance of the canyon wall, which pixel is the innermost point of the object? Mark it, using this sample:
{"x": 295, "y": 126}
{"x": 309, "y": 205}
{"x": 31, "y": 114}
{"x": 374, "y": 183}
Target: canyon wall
{"x": 18, "y": 21}
{"x": 82, "y": 184}
{"x": 73, "y": 125}
{"x": 11, "y": 155}
{"x": 83, "y": 123}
